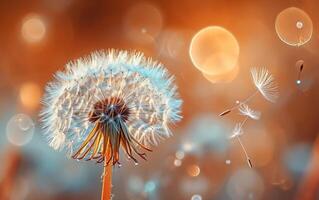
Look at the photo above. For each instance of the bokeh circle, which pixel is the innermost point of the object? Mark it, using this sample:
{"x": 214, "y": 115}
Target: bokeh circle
{"x": 223, "y": 78}
{"x": 294, "y": 26}
{"x": 214, "y": 50}
{"x": 143, "y": 22}
{"x": 20, "y": 129}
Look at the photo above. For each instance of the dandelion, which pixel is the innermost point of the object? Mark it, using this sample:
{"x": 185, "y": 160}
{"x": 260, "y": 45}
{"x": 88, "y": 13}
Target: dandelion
{"x": 107, "y": 101}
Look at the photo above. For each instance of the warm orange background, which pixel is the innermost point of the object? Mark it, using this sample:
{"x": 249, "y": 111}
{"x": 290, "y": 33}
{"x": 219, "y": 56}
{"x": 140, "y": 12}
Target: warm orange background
{"x": 74, "y": 28}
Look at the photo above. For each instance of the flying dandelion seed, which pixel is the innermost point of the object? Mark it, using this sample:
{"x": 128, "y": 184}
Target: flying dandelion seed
{"x": 245, "y": 110}
{"x": 107, "y": 101}
{"x": 300, "y": 66}
{"x": 237, "y": 132}
{"x": 265, "y": 85}
{"x": 264, "y": 82}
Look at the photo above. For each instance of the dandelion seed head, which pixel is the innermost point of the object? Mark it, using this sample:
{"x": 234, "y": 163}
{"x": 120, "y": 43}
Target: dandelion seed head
{"x": 245, "y": 110}
{"x": 107, "y": 100}
{"x": 237, "y": 131}
{"x": 265, "y": 84}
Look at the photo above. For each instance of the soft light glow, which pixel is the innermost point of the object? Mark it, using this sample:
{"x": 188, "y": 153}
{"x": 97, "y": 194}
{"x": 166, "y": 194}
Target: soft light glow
{"x": 30, "y": 95}
{"x": 214, "y": 50}
{"x": 177, "y": 163}
{"x": 180, "y": 155}
{"x": 196, "y": 197}
{"x": 150, "y": 186}
{"x": 20, "y": 129}
{"x": 143, "y": 22}
{"x": 193, "y": 170}
{"x": 294, "y": 26}
{"x": 223, "y": 78}
{"x": 244, "y": 184}
{"x": 33, "y": 28}
{"x": 187, "y": 146}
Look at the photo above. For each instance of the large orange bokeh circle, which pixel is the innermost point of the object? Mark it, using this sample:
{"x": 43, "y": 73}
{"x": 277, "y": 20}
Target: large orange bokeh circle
{"x": 223, "y": 78}
{"x": 214, "y": 50}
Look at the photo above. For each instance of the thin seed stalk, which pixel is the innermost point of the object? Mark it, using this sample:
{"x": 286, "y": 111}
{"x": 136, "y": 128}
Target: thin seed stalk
{"x": 242, "y": 102}
{"x": 245, "y": 152}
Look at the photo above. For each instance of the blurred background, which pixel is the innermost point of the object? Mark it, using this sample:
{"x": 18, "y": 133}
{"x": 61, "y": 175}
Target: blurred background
{"x": 38, "y": 37}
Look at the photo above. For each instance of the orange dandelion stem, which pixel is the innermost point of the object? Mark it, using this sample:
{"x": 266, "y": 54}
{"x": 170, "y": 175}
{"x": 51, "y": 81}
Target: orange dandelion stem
{"x": 107, "y": 182}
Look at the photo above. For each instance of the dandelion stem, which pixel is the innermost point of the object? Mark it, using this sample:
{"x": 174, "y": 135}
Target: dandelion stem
{"x": 242, "y": 145}
{"x": 107, "y": 182}
{"x": 241, "y": 102}
{"x": 244, "y": 149}
{"x": 250, "y": 97}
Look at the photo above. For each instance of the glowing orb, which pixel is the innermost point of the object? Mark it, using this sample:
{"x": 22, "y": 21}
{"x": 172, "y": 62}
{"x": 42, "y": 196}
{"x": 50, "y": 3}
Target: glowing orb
{"x": 33, "y": 29}
{"x": 143, "y": 22}
{"x": 294, "y": 26}
{"x": 180, "y": 155}
{"x": 196, "y": 197}
{"x": 30, "y": 95}
{"x": 214, "y": 50}
{"x": 223, "y": 78}
{"x": 193, "y": 170}
{"x": 298, "y": 82}
{"x": 20, "y": 129}
{"x": 245, "y": 184}
{"x": 177, "y": 163}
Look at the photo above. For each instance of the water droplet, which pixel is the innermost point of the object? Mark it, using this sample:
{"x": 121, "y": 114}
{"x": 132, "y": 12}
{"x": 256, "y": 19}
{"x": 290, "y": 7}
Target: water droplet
{"x": 228, "y": 162}
{"x": 136, "y": 163}
{"x": 298, "y": 82}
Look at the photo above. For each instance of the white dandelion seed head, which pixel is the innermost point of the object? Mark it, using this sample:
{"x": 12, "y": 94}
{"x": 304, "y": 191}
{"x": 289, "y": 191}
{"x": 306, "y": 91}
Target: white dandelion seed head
{"x": 245, "y": 110}
{"x": 143, "y": 85}
{"x": 237, "y": 131}
{"x": 265, "y": 84}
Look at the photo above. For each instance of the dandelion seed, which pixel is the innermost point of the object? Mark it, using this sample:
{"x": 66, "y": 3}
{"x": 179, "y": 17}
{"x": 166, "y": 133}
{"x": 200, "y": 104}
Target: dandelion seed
{"x": 250, "y": 164}
{"x": 225, "y": 112}
{"x": 245, "y": 110}
{"x": 300, "y": 66}
{"x": 107, "y": 101}
{"x": 237, "y": 131}
{"x": 265, "y": 84}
